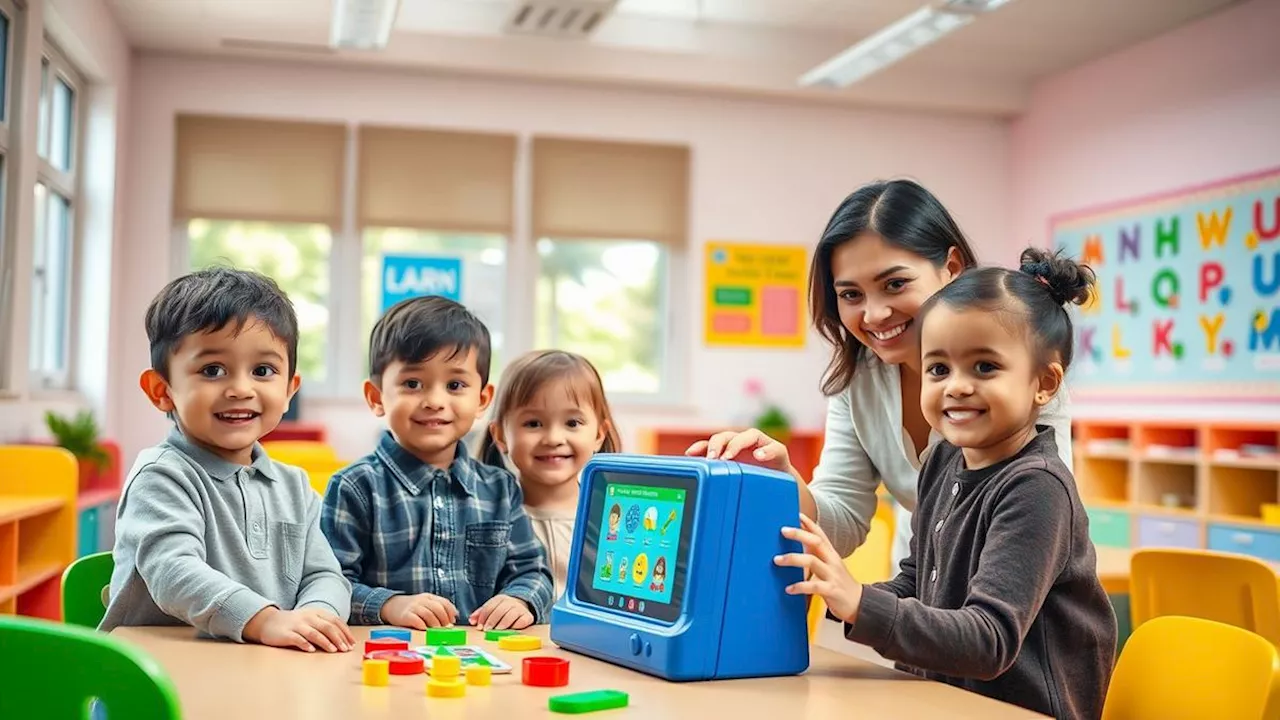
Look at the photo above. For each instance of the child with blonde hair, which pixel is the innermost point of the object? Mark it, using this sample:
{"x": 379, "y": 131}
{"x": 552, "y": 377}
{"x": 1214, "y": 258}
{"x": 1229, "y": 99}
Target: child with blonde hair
{"x": 549, "y": 418}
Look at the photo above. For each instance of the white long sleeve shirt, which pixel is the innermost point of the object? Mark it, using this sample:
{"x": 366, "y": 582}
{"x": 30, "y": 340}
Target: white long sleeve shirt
{"x": 866, "y": 444}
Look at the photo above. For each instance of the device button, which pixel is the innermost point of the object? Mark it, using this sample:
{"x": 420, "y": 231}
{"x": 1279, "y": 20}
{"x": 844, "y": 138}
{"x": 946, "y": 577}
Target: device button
{"x": 635, "y": 644}
{"x": 648, "y": 650}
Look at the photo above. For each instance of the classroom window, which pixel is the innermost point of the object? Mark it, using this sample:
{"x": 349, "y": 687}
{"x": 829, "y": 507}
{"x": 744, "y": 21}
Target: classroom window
{"x": 611, "y": 220}
{"x": 295, "y": 255}
{"x": 51, "y": 286}
{"x": 606, "y": 300}
{"x": 7, "y": 27}
{"x": 54, "y": 241}
{"x": 481, "y": 257}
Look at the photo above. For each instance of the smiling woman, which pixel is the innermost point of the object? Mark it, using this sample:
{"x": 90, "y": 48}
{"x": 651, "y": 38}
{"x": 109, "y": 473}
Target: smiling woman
{"x": 887, "y": 248}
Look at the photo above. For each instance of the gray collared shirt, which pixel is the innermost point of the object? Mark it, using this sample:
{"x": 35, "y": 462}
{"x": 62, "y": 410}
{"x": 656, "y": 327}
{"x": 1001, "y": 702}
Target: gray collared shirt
{"x": 209, "y": 543}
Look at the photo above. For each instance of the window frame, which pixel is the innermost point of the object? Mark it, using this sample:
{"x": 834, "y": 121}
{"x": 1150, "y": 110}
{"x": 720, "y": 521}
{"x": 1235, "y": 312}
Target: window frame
{"x": 330, "y": 387}
{"x": 670, "y": 368}
{"x": 8, "y": 149}
{"x": 65, "y": 183}
{"x": 346, "y": 360}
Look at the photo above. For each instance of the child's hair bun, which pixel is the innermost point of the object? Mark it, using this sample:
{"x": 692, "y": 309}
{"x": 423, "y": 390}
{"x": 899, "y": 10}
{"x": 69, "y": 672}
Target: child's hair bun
{"x": 1067, "y": 280}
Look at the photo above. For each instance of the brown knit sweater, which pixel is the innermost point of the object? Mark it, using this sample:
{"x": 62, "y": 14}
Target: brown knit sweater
{"x": 1000, "y": 595}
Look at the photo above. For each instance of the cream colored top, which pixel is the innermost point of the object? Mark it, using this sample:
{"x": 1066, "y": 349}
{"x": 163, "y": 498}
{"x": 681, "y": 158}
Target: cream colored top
{"x": 555, "y": 529}
{"x": 865, "y": 444}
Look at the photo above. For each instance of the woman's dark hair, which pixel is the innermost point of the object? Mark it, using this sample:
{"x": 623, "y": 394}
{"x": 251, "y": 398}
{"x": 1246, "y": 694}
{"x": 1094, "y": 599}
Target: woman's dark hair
{"x": 907, "y": 216}
{"x": 1039, "y": 291}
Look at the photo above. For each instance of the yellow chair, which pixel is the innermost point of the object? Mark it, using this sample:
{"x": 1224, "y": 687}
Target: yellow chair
{"x": 317, "y": 459}
{"x": 871, "y": 562}
{"x": 1185, "y": 668}
{"x": 319, "y": 472}
{"x": 298, "y": 452}
{"x": 1226, "y": 587}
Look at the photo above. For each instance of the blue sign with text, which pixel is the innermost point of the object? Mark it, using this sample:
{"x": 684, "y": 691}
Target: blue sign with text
{"x": 406, "y": 276}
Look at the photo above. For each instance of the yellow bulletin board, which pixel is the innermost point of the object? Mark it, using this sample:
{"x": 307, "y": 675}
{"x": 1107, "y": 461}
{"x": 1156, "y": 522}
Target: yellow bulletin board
{"x": 755, "y": 295}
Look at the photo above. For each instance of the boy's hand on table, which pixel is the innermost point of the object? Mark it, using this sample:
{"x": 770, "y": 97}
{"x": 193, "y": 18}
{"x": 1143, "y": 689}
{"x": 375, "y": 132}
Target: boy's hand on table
{"x": 502, "y": 612}
{"x": 825, "y": 571}
{"x": 305, "y": 629}
{"x": 419, "y": 611}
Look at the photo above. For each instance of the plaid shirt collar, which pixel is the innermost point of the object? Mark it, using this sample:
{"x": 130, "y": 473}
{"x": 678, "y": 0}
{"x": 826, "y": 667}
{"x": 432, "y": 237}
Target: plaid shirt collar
{"x": 416, "y": 475}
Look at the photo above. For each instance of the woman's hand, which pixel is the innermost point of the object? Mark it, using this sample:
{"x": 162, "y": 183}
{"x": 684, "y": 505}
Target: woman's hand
{"x": 749, "y": 446}
{"x": 824, "y": 571}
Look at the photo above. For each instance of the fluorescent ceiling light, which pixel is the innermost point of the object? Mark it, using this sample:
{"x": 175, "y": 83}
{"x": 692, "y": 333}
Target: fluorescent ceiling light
{"x": 896, "y": 41}
{"x": 362, "y": 24}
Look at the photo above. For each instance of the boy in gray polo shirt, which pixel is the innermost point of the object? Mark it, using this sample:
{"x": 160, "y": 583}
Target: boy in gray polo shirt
{"x": 211, "y": 532}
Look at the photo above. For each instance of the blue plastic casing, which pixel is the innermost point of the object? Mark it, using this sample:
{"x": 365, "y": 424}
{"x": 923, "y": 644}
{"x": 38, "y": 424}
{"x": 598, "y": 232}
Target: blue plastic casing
{"x": 735, "y": 619}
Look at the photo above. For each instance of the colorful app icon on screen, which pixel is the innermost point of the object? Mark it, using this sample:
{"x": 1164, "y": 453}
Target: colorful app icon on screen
{"x": 640, "y": 568}
{"x": 651, "y": 519}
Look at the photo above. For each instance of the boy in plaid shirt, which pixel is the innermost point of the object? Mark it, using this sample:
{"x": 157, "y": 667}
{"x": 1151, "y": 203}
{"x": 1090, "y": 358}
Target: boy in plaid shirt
{"x": 424, "y": 532}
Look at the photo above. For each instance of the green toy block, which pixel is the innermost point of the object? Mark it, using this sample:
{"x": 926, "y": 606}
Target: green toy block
{"x": 586, "y": 702}
{"x": 446, "y": 636}
{"x": 496, "y": 635}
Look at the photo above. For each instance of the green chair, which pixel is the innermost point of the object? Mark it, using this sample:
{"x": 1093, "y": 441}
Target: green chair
{"x": 54, "y": 670}
{"x": 84, "y": 583}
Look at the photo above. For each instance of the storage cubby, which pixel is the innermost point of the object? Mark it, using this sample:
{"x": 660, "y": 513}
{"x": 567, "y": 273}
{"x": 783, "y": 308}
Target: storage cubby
{"x": 1166, "y": 485}
{"x": 1241, "y": 492}
{"x": 1103, "y": 440}
{"x": 38, "y": 490}
{"x": 1168, "y": 443}
{"x": 1243, "y": 446}
{"x": 1103, "y": 479}
{"x": 8, "y": 553}
{"x": 1185, "y": 483}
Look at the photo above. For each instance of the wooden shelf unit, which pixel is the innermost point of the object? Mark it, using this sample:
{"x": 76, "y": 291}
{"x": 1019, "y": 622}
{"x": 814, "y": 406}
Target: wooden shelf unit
{"x": 804, "y": 446}
{"x": 1168, "y": 483}
{"x": 38, "y": 490}
{"x": 96, "y": 504}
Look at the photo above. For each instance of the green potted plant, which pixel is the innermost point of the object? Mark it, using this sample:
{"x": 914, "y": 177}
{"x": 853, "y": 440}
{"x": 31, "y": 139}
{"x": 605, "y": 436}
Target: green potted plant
{"x": 80, "y": 436}
{"x": 774, "y": 423}
{"x": 769, "y": 417}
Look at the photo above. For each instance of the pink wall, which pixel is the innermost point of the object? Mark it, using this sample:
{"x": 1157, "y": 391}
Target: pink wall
{"x": 1198, "y": 104}
{"x": 761, "y": 172}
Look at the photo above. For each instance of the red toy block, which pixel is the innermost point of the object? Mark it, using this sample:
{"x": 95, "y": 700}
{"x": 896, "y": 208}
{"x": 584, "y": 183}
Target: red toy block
{"x": 545, "y": 672}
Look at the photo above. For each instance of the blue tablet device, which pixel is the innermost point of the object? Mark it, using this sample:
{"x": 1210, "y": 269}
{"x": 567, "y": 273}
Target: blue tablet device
{"x": 671, "y": 570}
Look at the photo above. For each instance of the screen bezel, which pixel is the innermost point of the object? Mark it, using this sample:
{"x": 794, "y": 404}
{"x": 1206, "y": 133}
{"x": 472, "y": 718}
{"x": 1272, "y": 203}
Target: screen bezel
{"x": 584, "y": 592}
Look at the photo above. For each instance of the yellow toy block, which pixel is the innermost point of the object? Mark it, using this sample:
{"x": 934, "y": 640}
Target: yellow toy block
{"x": 520, "y": 643}
{"x": 445, "y": 666}
{"x": 446, "y": 688}
{"x": 479, "y": 675}
{"x": 377, "y": 673}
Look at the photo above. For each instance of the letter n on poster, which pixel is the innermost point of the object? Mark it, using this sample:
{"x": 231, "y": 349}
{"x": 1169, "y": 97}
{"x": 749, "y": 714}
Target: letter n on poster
{"x": 755, "y": 295}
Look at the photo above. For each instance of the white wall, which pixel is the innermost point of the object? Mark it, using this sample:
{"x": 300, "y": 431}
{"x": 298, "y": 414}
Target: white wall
{"x": 88, "y": 35}
{"x": 1198, "y": 104}
{"x": 761, "y": 172}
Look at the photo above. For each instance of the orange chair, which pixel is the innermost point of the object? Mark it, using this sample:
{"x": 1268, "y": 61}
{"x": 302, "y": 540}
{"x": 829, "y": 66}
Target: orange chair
{"x": 1226, "y": 587}
{"x": 1185, "y": 668}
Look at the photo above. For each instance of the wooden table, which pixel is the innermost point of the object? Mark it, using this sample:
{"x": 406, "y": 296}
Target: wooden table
{"x": 226, "y": 681}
